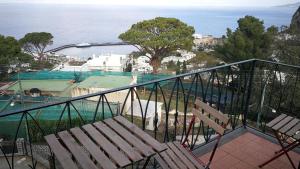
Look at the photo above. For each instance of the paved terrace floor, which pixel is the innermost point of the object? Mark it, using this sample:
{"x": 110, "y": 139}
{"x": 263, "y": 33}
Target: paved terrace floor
{"x": 246, "y": 150}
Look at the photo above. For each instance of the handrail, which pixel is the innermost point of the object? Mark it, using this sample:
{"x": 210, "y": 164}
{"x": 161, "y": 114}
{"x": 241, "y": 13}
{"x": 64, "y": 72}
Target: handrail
{"x": 119, "y": 89}
{"x": 137, "y": 85}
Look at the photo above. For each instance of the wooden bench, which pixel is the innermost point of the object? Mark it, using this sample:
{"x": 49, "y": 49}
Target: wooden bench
{"x": 177, "y": 156}
{"x": 112, "y": 143}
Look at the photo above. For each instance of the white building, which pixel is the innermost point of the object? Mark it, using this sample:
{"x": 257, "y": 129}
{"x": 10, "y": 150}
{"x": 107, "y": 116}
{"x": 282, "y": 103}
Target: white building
{"x": 204, "y": 40}
{"x": 185, "y": 56}
{"x": 142, "y": 64}
{"x": 111, "y": 62}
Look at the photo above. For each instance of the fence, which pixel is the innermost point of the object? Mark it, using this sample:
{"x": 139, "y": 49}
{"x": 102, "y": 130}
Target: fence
{"x": 251, "y": 92}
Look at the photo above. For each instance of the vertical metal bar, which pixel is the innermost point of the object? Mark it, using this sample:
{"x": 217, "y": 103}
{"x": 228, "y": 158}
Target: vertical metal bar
{"x": 15, "y": 139}
{"x": 96, "y": 111}
{"x": 167, "y": 112}
{"x": 102, "y": 101}
{"x": 60, "y": 117}
{"x": 176, "y": 109}
{"x": 249, "y": 93}
{"x": 132, "y": 100}
{"x": 30, "y": 142}
{"x": 155, "y": 111}
{"x": 293, "y": 93}
{"x": 77, "y": 112}
{"x": 69, "y": 115}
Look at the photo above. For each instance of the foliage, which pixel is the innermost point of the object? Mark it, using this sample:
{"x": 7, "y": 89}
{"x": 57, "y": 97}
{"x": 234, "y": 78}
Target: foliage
{"x": 36, "y": 42}
{"x": 178, "y": 65}
{"x": 76, "y": 63}
{"x": 41, "y": 64}
{"x": 287, "y": 50}
{"x": 128, "y": 68}
{"x": 249, "y": 40}
{"x": 207, "y": 59}
{"x": 9, "y": 50}
{"x": 171, "y": 65}
{"x": 184, "y": 68}
{"x": 159, "y": 37}
{"x": 10, "y": 53}
{"x": 136, "y": 54}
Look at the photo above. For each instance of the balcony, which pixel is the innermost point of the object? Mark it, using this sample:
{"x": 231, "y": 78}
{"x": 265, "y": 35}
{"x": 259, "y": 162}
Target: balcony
{"x": 246, "y": 149}
{"x": 251, "y": 93}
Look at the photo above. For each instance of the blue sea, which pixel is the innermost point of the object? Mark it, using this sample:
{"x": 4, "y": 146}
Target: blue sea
{"x": 95, "y": 23}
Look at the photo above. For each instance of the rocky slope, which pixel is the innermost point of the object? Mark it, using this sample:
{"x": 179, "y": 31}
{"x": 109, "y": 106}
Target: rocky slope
{"x": 295, "y": 24}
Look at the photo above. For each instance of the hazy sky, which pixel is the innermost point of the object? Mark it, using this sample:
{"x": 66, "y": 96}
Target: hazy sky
{"x": 177, "y": 3}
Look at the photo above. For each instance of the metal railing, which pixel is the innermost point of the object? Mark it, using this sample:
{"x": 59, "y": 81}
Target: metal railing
{"x": 251, "y": 92}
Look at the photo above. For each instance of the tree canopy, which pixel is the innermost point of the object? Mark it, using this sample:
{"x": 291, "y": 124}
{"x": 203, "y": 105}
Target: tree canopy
{"x": 10, "y": 53}
{"x": 36, "y": 42}
{"x": 159, "y": 37}
{"x": 249, "y": 40}
{"x": 9, "y": 50}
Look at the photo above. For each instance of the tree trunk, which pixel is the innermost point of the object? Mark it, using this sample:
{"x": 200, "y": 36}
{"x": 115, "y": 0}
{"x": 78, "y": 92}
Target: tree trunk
{"x": 155, "y": 63}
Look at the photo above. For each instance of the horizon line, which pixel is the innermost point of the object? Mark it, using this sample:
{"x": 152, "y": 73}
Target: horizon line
{"x": 150, "y": 5}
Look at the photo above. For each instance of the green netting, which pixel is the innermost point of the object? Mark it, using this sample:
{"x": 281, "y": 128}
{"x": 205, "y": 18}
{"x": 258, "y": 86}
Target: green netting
{"x": 44, "y": 75}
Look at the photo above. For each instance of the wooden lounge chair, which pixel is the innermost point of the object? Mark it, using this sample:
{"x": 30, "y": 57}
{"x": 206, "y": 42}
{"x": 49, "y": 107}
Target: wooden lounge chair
{"x": 177, "y": 156}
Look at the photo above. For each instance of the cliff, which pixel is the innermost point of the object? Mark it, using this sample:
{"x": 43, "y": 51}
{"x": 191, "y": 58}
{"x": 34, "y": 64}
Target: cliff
{"x": 295, "y": 23}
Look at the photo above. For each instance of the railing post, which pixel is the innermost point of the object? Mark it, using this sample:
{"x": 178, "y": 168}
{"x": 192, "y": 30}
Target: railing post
{"x": 249, "y": 92}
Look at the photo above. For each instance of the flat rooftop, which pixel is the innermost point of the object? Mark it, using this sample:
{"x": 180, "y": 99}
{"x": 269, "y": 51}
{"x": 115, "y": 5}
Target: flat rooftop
{"x": 43, "y": 85}
{"x": 105, "y": 82}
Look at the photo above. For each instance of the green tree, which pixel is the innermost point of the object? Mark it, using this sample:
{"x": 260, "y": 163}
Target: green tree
{"x": 9, "y": 50}
{"x": 178, "y": 64}
{"x": 171, "y": 65}
{"x": 128, "y": 67}
{"x": 184, "y": 68}
{"x": 10, "y": 53}
{"x": 159, "y": 37}
{"x": 249, "y": 40}
{"x": 36, "y": 43}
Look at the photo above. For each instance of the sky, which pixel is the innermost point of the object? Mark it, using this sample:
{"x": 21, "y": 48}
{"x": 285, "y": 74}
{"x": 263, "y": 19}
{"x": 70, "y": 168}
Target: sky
{"x": 179, "y": 3}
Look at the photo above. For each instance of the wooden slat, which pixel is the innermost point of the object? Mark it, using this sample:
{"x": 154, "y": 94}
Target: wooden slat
{"x": 219, "y": 129}
{"x": 293, "y": 130}
{"x": 288, "y": 126}
{"x": 283, "y": 122}
{"x": 175, "y": 159}
{"x": 297, "y": 136}
{"x": 188, "y": 155}
{"x": 141, "y": 134}
{"x": 60, "y": 152}
{"x": 81, "y": 157}
{"x": 120, "y": 142}
{"x": 168, "y": 160}
{"x": 276, "y": 120}
{"x": 93, "y": 149}
{"x": 161, "y": 162}
{"x": 208, "y": 109}
{"x": 107, "y": 146}
{"x": 182, "y": 157}
{"x": 145, "y": 149}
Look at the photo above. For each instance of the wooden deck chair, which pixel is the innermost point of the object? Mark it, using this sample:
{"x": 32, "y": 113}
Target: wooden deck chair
{"x": 178, "y": 156}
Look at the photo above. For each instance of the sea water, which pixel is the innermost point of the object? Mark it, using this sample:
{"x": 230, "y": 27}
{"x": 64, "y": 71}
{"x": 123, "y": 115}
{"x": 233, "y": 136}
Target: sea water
{"x": 95, "y": 23}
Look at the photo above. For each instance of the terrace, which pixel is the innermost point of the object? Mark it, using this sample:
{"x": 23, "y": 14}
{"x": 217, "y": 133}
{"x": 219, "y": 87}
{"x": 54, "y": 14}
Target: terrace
{"x": 251, "y": 93}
